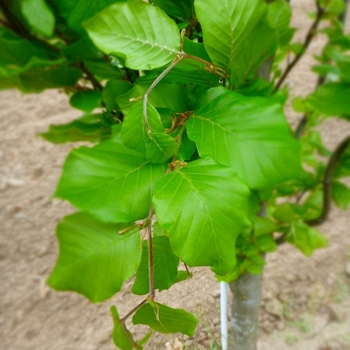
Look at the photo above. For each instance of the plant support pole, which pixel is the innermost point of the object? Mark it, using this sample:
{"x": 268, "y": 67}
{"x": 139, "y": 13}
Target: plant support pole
{"x": 223, "y": 315}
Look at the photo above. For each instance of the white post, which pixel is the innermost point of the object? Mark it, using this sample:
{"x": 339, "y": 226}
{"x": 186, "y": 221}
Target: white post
{"x": 223, "y": 315}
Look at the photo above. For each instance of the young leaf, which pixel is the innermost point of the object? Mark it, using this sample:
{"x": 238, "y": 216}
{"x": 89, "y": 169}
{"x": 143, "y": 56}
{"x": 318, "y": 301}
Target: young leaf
{"x": 341, "y": 195}
{"x": 332, "y": 99}
{"x": 94, "y": 259}
{"x": 166, "y": 320}
{"x": 121, "y": 336}
{"x": 39, "y": 16}
{"x": 165, "y": 267}
{"x": 203, "y": 207}
{"x": 110, "y": 181}
{"x": 158, "y": 147}
{"x": 138, "y": 32}
{"x": 86, "y": 101}
{"x": 226, "y": 25}
{"x": 77, "y": 130}
{"x": 250, "y": 134}
{"x": 305, "y": 238}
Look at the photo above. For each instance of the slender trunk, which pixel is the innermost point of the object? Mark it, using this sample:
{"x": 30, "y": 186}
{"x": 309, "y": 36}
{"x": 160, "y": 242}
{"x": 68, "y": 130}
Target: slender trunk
{"x": 245, "y": 311}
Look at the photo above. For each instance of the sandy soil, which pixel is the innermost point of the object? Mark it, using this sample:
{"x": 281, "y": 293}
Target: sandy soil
{"x": 306, "y": 301}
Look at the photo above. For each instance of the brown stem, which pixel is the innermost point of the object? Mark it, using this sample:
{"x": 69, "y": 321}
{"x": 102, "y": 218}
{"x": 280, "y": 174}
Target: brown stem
{"x": 188, "y": 271}
{"x": 133, "y": 311}
{"x": 95, "y": 83}
{"x": 132, "y": 341}
{"x": 327, "y": 183}
{"x": 306, "y": 44}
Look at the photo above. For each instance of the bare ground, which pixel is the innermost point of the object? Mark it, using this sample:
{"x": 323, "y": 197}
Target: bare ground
{"x": 306, "y": 301}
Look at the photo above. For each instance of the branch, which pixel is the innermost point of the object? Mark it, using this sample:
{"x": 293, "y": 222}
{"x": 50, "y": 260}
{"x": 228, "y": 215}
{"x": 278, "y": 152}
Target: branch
{"x": 306, "y": 44}
{"x": 327, "y": 183}
{"x": 95, "y": 83}
{"x": 123, "y": 319}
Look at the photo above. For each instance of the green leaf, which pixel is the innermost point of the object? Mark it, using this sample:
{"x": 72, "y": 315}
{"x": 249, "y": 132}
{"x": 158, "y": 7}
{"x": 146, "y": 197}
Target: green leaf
{"x": 285, "y": 213}
{"x": 259, "y": 44}
{"x": 341, "y": 195}
{"x": 112, "y": 90}
{"x": 203, "y": 207}
{"x": 279, "y": 15}
{"x": 181, "y": 9}
{"x": 187, "y": 148}
{"x": 77, "y": 12}
{"x": 226, "y": 25}
{"x": 182, "y": 276}
{"x": 86, "y": 101}
{"x": 344, "y": 68}
{"x": 110, "y": 181}
{"x": 39, "y": 16}
{"x": 250, "y": 134}
{"x": 266, "y": 243}
{"x": 78, "y": 130}
{"x": 142, "y": 34}
{"x": 164, "y": 95}
{"x": 18, "y": 54}
{"x": 332, "y": 99}
{"x": 94, "y": 259}
{"x": 121, "y": 336}
{"x": 39, "y": 79}
{"x": 305, "y": 238}
{"x": 165, "y": 267}
{"x": 158, "y": 147}
{"x": 263, "y": 226}
{"x": 166, "y": 320}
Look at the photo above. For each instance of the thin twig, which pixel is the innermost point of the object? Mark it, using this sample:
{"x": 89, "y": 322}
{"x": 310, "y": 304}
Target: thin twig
{"x": 178, "y": 59}
{"x": 306, "y": 44}
{"x": 95, "y": 83}
{"x": 327, "y": 183}
{"x": 133, "y": 310}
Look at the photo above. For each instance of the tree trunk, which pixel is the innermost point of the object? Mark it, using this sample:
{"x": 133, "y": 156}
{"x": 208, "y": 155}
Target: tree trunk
{"x": 245, "y": 311}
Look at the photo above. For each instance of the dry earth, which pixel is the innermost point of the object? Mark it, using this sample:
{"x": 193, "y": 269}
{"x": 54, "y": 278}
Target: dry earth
{"x": 306, "y": 301}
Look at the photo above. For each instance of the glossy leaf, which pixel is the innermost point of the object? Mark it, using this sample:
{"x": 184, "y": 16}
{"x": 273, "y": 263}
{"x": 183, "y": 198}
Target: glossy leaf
{"x": 341, "y": 195}
{"x": 121, "y": 336}
{"x": 86, "y": 101}
{"x": 305, "y": 238}
{"x": 250, "y": 134}
{"x": 138, "y": 32}
{"x": 181, "y": 9}
{"x": 94, "y": 259}
{"x": 158, "y": 147}
{"x": 165, "y": 267}
{"x": 226, "y": 25}
{"x": 332, "y": 99}
{"x": 110, "y": 181}
{"x": 203, "y": 207}
{"x": 78, "y": 130}
{"x": 39, "y": 16}
{"x": 166, "y": 320}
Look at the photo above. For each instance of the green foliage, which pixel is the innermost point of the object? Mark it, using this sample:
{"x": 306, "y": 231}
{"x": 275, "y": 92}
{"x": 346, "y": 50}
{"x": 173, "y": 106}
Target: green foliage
{"x": 206, "y": 171}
